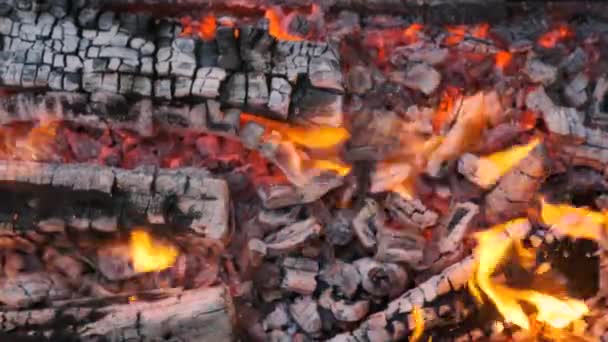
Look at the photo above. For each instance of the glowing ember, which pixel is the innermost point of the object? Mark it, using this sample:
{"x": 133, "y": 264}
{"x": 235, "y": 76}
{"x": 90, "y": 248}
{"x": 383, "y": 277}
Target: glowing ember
{"x": 456, "y": 34}
{"x": 481, "y": 31}
{"x": 445, "y": 110}
{"x": 207, "y": 28}
{"x": 573, "y": 221}
{"x": 495, "y": 165}
{"x": 493, "y": 246}
{"x": 503, "y": 59}
{"x": 551, "y": 38}
{"x": 418, "y": 317}
{"x": 411, "y": 33}
{"x": 149, "y": 255}
{"x": 276, "y": 25}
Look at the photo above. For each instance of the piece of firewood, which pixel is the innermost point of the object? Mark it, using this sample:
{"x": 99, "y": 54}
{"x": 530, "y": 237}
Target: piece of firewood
{"x": 469, "y": 125}
{"x": 146, "y": 191}
{"x": 517, "y": 188}
{"x": 410, "y": 211}
{"x": 205, "y": 314}
{"x": 292, "y": 237}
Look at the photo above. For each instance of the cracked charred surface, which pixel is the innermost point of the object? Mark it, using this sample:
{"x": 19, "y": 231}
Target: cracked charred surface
{"x": 191, "y": 315}
{"x": 145, "y": 195}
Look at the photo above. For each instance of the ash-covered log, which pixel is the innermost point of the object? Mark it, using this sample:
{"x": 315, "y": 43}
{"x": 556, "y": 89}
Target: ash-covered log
{"x": 89, "y": 50}
{"x": 205, "y": 314}
{"x": 87, "y": 196}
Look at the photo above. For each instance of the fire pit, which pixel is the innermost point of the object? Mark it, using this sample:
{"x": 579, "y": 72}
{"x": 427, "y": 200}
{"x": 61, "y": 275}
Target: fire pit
{"x": 345, "y": 170}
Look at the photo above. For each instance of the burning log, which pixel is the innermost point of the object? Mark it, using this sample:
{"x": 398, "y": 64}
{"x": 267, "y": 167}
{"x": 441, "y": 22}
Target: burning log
{"x": 395, "y": 322}
{"x": 200, "y": 314}
{"x": 158, "y": 196}
{"x": 517, "y": 188}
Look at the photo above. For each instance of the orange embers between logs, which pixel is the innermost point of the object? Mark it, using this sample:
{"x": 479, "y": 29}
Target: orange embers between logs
{"x": 411, "y": 33}
{"x": 205, "y": 28}
{"x": 503, "y": 59}
{"x": 497, "y": 245}
{"x": 445, "y": 110}
{"x": 551, "y": 38}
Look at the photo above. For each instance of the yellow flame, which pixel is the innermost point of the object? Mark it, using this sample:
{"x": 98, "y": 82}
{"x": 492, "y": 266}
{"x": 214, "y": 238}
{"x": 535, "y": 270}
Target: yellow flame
{"x": 316, "y": 137}
{"x": 418, "y": 317}
{"x": 149, "y": 255}
{"x": 331, "y": 165}
{"x": 495, "y": 165}
{"x": 573, "y": 221}
{"x": 493, "y": 245}
{"x": 319, "y": 137}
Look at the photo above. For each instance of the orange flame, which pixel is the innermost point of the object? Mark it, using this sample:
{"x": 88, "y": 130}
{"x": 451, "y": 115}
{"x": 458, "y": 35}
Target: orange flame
{"x": 456, "y": 35}
{"x": 207, "y": 28}
{"x": 551, "y": 38}
{"x": 503, "y": 59}
{"x": 276, "y": 25}
{"x": 574, "y": 221}
{"x": 418, "y": 317}
{"x": 149, "y": 255}
{"x": 411, "y": 33}
{"x": 495, "y": 165}
{"x": 318, "y": 137}
{"x": 493, "y": 246}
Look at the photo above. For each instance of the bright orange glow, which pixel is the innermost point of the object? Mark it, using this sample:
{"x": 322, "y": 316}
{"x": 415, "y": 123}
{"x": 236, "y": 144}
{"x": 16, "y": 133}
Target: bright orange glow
{"x": 207, "y": 28}
{"x": 481, "y": 31}
{"x": 490, "y": 168}
{"x": 551, "y": 38}
{"x": 418, "y": 317}
{"x": 456, "y": 34}
{"x": 132, "y": 299}
{"x": 445, "y": 108}
{"x": 493, "y": 246}
{"x": 276, "y": 27}
{"x": 318, "y": 137}
{"x": 574, "y": 221}
{"x": 528, "y": 119}
{"x": 149, "y": 255}
{"x": 411, "y": 33}
{"x": 503, "y": 59}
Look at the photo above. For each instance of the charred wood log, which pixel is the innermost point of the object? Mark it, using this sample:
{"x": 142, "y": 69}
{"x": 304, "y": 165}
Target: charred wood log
{"x": 133, "y": 55}
{"x": 190, "y": 196}
{"x": 201, "y": 314}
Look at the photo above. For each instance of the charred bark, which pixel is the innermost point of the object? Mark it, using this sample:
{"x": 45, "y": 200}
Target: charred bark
{"x": 205, "y": 314}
